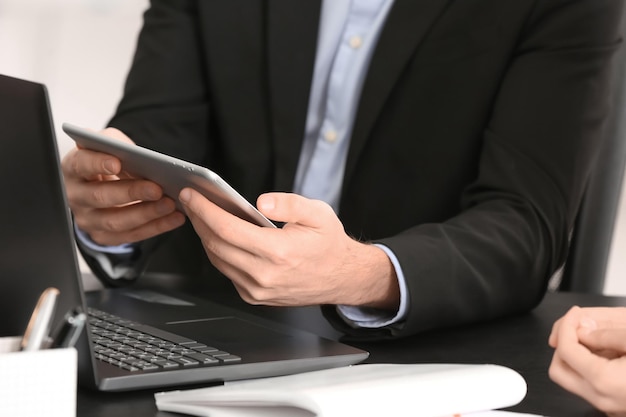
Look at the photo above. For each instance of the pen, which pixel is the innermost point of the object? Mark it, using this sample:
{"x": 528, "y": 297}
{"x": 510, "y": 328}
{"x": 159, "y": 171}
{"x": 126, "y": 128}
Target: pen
{"x": 67, "y": 333}
{"x": 40, "y": 320}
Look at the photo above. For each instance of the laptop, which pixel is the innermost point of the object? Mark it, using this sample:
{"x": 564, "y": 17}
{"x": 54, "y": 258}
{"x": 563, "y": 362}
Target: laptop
{"x": 166, "y": 339}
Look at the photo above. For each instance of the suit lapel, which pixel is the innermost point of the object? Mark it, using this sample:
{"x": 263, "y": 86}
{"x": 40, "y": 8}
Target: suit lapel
{"x": 407, "y": 24}
{"x": 234, "y": 32}
{"x": 292, "y": 27}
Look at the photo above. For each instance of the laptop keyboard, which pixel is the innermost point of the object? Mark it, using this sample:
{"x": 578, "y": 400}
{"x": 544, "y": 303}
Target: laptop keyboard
{"x": 138, "y": 347}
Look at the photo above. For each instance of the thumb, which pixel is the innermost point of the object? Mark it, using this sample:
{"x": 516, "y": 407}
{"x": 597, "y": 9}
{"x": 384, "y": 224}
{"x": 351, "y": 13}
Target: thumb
{"x": 116, "y": 134}
{"x": 613, "y": 339}
{"x": 293, "y": 208}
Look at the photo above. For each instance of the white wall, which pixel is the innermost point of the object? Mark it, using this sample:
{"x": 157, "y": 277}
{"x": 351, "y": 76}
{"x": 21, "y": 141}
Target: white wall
{"x": 81, "y": 49}
{"x": 616, "y": 270}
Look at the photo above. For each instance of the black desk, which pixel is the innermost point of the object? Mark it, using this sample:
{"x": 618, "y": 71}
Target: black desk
{"x": 518, "y": 342}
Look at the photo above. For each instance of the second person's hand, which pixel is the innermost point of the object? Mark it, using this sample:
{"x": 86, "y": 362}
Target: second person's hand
{"x": 589, "y": 358}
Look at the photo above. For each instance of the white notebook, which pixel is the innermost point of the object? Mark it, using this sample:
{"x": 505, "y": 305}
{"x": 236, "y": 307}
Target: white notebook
{"x": 424, "y": 390}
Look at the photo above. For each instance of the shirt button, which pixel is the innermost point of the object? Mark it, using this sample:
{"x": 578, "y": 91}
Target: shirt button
{"x": 355, "y": 42}
{"x": 330, "y": 136}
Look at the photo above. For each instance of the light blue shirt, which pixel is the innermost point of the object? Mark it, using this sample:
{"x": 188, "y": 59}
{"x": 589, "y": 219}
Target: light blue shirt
{"x": 348, "y": 33}
{"x": 347, "y": 37}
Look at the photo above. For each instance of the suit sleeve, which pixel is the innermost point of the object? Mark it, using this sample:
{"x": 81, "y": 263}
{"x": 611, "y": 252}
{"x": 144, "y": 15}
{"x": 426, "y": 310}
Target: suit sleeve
{"x": 496, "y": 255}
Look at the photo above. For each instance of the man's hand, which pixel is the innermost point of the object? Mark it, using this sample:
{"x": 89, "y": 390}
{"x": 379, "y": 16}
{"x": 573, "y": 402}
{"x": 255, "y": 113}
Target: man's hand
{"x": 311, "y": 260}
{"x": 590, "y": 356}
{"x": 110, "y": 206}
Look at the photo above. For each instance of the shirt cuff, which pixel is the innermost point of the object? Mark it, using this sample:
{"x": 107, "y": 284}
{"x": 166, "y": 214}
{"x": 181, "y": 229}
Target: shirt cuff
{"x": 371, "y": 318}
{"x": 114, "y": 260}
{"x": 85, "y": 239}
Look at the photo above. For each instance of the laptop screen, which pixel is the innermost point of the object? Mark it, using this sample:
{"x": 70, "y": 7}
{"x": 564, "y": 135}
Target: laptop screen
{"x": 36, "y": 249}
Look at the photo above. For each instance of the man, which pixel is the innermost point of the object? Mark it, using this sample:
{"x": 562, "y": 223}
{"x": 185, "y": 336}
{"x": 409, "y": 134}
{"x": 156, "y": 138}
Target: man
{"x": 451, "y": 138}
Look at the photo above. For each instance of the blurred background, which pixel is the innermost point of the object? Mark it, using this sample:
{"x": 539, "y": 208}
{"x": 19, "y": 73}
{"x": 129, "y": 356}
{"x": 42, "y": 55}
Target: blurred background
{"x": 81, "y": 50}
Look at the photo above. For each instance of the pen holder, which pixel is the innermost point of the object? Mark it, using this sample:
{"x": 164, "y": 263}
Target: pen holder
{"x": 37, "y": 383}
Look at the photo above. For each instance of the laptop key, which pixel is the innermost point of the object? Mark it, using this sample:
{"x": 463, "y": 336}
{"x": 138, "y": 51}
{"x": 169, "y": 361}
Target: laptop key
{"x": 164, "y": 363}
{"x": 185, "y": 361}
{"x": 204, "y": 359}
{"x": 128, "y": 367}
{"x": 229, "y": 358}
{"x": 198, "y": 346}
{"x": 218, "y": 353}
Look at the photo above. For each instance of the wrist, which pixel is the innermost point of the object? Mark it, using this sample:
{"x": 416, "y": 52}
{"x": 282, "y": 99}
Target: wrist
{"x": 378, "y": 286}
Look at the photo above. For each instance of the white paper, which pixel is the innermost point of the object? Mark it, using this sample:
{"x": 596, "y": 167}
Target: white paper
{"x": 424, "y": 390}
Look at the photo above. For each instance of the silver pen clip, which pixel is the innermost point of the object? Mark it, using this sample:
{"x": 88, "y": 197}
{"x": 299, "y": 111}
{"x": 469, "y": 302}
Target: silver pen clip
{"x": 68, "y": 331}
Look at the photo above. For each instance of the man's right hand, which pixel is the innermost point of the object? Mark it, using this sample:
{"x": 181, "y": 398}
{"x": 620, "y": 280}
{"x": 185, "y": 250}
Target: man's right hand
{"x": 109, "y": 205}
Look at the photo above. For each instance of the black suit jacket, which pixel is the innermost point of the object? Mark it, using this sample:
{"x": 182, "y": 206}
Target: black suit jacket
{"x": 478, "y": 125}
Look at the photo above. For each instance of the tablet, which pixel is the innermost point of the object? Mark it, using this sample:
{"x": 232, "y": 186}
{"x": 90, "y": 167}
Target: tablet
{"x": 170, "y": 173}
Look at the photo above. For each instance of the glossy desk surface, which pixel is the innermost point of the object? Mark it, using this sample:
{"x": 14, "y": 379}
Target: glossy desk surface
{"x": 519, "y": 342}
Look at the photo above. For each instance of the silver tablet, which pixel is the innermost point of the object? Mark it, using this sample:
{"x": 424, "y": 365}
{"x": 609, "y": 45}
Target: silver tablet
{"x": 170, "y": 173}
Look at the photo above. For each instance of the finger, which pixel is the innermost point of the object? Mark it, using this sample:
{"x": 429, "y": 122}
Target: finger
{"x": 218, "y": 243}
{"x": 605, "y": 339}
{"x": 294, "y": 208}
{"x": 569, "y": 354}
{"x": 89, "y": 165}
{"x": 222, "y": 247}
{"x": 115, "y": 133}
{"x": 553, "y": 338}
{"x": 106, "y": 194}
{"x": 575, "y": 354}
{"x": 120, "y": 219}
{"x": 570, "y": 315}
{"x": 607, "y": 316}
{"x": 237, "y": 248}
{"x": 582, "y": 372}
{"x": 561, "y": 373}
{"x": 119, "y": 135}
{"x": 144, "y": 230}
{"x": 214, "y": 216}
{"x": 244, "y": 283}
{"x": 220, "y": 227}
{"x": 607, "y": 353}
{"x": 604, "y": 391}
